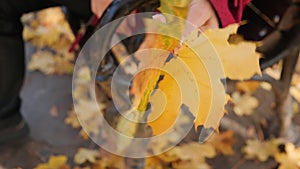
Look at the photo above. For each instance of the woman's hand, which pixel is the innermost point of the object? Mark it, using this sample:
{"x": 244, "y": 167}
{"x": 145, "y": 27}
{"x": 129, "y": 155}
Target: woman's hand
{"x": 99, "y": 6}
{"x": 201, "y": 15}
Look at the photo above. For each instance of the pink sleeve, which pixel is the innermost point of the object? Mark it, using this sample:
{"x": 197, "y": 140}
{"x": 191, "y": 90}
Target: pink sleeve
{"x": 229, "y": 11}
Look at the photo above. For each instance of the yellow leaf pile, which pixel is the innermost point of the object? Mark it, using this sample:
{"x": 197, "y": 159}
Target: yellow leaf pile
{"x": 87, "y": 112}
{"x": 49, "y": 64}
{"x": 49, "y": 31}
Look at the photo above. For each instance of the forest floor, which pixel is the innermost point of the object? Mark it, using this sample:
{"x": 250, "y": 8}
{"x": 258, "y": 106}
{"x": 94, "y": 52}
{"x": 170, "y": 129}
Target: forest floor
{"x": 47, "y": 99}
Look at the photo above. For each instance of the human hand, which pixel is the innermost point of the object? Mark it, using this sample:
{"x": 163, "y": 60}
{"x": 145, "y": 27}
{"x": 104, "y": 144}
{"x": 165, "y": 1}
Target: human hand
{"x": 99, "y": 6}
{"x": 201, "y": 16}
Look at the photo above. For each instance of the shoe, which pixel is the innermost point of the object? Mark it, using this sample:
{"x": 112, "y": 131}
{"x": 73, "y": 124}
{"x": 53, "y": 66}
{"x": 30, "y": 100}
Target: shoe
{"x": 13, "y": 130}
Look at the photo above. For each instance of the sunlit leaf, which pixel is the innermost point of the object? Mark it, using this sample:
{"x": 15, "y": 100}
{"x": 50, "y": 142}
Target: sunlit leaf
{"x": 86, "y": 155}
{"x": 290, "y": 159}
{"x": 260, "y": 150}
{"x": 55, "y": 162}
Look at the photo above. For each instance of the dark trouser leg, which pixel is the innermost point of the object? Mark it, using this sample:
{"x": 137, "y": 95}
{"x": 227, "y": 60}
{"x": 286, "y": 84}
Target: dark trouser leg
{"x": 12, "y": 66}
{"x": 11, "y": 72}
{"x": 12, "y": 48}
{"x": 11, "y": 78}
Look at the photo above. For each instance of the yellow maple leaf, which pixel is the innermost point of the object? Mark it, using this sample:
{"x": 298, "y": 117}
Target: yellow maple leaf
{"x": 86, "y": 155}
{"x": 206, "y": 70}
{"x": 199, "y": 62}
{"x": 223, "y": 142}
{"x": 55, "y": 162}
{"x": 234, "y": 57}
{"x": 290, "y": 159}
{"x": 256, "y": 149}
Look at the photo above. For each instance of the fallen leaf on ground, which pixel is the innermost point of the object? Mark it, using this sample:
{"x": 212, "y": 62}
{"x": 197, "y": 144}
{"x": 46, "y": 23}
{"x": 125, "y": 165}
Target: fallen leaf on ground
{"x": 247, "y": 87}
{"x": 50, "y": 32}
{"x": 42, "y": 61}
{"x": 55, "y": 162}
{"x": 244, "y": 104}
{"x": 223, "y": 142}
{"x": 153, "y": 163}
{"x": 290, "y": 159}
{"x": 266, "y": 86}
{"x": 54, "y": 111}
{"x": 189, "y": 156}
{"x": 86, "y": 155}
{"x": 256, "y": 149}
{"x": 72, "y": 119}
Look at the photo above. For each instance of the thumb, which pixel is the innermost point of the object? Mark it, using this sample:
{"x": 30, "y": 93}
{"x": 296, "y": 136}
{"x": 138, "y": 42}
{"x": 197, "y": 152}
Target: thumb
{"x": 198, "y": 15}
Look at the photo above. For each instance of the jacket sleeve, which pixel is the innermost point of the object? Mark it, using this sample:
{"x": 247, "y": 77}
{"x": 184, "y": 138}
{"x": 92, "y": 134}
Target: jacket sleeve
{"x": 229, "y": 11}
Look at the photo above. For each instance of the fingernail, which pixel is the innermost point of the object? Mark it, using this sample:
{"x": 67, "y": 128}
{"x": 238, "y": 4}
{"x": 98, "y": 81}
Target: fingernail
{"x": 160, "y": 17}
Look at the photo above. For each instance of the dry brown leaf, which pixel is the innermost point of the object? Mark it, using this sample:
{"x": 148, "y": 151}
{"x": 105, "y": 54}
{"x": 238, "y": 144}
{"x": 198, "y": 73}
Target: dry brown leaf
{"x": 54, "y": 111}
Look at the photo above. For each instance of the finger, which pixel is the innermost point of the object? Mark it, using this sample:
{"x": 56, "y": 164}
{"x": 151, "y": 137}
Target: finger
{"x": 211, "y": 23}
{"x": 99, "y": 6}
{"x": 198, "y": 15}
{"x": 160, "y": 17}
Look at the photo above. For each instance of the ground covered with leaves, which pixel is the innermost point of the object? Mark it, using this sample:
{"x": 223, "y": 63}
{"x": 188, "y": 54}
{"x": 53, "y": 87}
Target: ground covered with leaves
{"x": 244, "y": 140}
